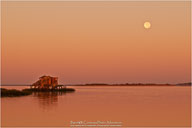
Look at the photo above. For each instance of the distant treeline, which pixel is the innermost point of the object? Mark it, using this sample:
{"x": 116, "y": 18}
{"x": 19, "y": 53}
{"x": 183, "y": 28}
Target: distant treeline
{"x": 132, "y": 84}
{"x": 97, "y": 84}
{"x": 189, "y": 83}
{"x": 120, "y": 84}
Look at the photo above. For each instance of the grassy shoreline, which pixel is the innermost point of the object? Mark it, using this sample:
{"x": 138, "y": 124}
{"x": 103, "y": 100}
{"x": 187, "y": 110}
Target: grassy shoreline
{"x": 49, "y": 90}
{"x": 13, "y": 93}
{"x": 29, "y": 91}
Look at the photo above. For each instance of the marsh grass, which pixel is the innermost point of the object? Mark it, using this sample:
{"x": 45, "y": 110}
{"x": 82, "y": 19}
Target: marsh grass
{"x": 14, "y": 92}
{"x": 28, "y": 91}
{"x": 49, "y": 90}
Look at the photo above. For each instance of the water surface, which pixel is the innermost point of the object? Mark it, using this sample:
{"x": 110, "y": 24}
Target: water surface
{"x": 133, "y": 106}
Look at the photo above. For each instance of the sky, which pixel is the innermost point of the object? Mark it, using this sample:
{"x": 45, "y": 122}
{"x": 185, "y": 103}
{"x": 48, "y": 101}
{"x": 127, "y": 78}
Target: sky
{"x": 95, "y": 42}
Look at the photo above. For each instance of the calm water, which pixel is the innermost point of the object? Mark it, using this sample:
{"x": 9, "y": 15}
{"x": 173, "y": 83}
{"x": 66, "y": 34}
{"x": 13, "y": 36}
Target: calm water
{"x": 133, "y": 106}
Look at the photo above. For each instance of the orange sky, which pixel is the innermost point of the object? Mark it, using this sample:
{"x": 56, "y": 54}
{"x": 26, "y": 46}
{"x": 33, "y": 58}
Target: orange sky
{"x": 88, "y": 42}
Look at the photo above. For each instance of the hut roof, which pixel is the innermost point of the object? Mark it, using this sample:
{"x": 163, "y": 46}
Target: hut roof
{"x": 47, "y": 76}
{"x": 44, "y": 76}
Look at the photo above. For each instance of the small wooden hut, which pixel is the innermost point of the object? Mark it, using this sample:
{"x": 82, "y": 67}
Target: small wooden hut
{"x": 47, "y": 82}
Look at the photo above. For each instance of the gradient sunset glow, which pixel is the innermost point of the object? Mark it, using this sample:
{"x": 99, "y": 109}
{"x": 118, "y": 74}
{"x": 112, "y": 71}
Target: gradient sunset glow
{"x": 102, "y": 42}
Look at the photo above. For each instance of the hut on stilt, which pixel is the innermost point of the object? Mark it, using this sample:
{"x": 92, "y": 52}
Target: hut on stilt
{"x": 47, "y": 82}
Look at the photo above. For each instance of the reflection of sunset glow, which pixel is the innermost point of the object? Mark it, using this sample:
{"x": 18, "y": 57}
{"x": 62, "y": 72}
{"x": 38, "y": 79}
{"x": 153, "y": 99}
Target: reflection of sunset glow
{"x": 134, "y": 106}
{"x": 47, "y": 99}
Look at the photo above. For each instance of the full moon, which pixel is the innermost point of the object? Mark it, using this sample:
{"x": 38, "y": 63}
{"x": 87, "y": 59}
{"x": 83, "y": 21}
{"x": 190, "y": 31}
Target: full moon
{"x": 147, "y": 25}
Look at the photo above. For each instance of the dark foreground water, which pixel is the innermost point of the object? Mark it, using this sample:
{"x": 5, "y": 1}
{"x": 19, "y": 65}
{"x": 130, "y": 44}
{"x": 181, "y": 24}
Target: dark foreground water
{"x": 127, "y": 106}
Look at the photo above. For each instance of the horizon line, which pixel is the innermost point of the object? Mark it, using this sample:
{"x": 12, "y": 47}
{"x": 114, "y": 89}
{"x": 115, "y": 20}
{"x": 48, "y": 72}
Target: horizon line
{"x": 139, "y": 83}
